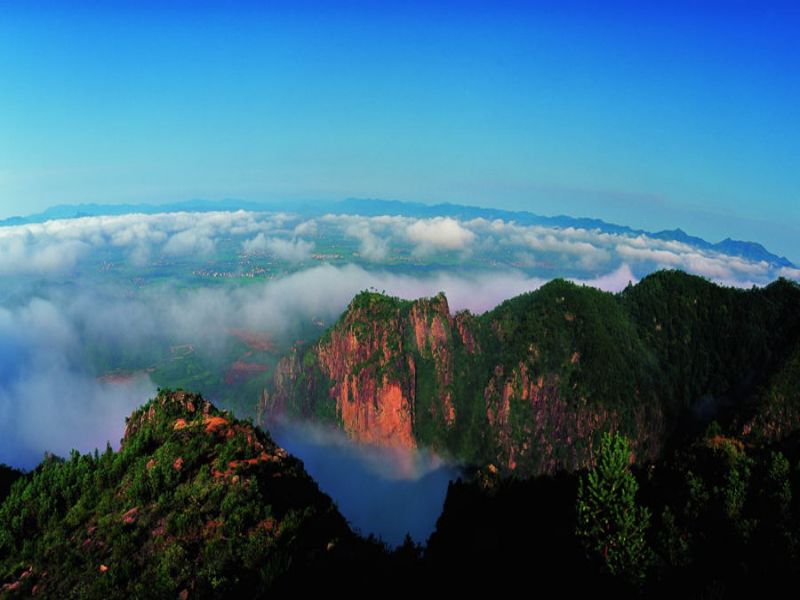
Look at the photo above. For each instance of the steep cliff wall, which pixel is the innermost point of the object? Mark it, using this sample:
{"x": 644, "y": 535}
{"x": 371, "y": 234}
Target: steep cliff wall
{"x": 363, "y": 372}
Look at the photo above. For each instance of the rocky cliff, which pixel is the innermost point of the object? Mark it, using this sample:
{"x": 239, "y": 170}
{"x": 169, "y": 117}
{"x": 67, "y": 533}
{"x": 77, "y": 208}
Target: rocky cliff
{"x": 529, "y": 385}
{"x": 364, "y": 374}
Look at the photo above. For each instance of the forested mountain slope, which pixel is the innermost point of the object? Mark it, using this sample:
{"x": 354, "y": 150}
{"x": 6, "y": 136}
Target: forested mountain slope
{"x": 194, "y": 504}
{"x": 529, "y": 386}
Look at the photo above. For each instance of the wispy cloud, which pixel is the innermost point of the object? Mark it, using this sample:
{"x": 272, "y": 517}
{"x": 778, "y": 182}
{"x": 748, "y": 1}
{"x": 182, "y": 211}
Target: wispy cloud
{"x": 49, "y": 400}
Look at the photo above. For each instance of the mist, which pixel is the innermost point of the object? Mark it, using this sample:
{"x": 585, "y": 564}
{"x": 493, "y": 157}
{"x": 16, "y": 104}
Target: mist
{"x": 49, "y": 400}
{"x": 52, "y": 393}
{"x": 92, "y": 310}
{"x": 53, "y": 396}
{"x": 385, "y": 492}
{"x": 66, "y": 323}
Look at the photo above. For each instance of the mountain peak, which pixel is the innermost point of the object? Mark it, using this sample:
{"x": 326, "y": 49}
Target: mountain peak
{"x": 193, "y": 492}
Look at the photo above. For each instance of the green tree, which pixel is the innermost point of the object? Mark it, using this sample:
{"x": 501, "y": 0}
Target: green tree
{"x": 777, "y": 491}
{"x": 611, "y": 525}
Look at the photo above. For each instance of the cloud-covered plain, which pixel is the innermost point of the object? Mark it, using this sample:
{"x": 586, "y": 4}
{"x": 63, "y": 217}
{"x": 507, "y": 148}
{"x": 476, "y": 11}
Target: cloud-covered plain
{"x": 59, "y": 246}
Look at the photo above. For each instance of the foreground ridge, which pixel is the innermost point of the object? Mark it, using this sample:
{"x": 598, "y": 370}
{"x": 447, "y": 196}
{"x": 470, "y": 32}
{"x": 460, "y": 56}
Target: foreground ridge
{"x": 195, "y": 503}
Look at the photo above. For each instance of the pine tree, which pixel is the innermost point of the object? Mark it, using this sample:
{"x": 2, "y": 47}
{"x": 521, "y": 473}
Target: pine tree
{"x": 611, "y": 525}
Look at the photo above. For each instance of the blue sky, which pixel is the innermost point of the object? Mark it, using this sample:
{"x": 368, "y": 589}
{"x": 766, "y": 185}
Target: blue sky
{"x": 658, "y": 116}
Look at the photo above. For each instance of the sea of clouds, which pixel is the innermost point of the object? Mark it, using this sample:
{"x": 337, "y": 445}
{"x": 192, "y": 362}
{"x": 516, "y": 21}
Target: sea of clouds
{"x": 52, "y": 399}
{"x": 58, "y": 246}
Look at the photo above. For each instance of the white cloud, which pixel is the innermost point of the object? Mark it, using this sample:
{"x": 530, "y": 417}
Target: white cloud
{"x": 639, "y": 253}
{"x": 25, "y": 254}
{"x": 48, "y": 400}
{"x": 189, "y": 242}
{"x": 294, "y": 250}
{"x": 615, "y": 281}
{"x": 789, "y": 273}
{"x": 439, "y": 233}
{"x": 371, "y": 247}
{"x": 58, "y": 246}
{"x": 306, "y": 228}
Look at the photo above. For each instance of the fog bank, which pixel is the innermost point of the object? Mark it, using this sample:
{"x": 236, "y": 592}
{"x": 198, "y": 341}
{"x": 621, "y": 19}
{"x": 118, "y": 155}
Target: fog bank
{"x": 387, "y": 492}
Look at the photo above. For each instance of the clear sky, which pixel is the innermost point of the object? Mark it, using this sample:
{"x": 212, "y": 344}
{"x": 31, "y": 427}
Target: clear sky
{"x": 657, "y": 115}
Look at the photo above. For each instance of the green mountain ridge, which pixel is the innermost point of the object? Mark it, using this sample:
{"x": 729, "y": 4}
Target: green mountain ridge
{"x": 529, "y": 386}
{"x": 197, "y": 504}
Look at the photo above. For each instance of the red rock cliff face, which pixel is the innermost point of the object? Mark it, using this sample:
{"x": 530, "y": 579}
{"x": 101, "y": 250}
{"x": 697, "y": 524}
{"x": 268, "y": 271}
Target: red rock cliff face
{"x": 274, "y": 401}
{"x": 432, "y": 324}
{"x": 372, "y": 366}
{"x": 372, "y": 404}
{"x": 367, "y": 367}
{"x": 548, "y": 431}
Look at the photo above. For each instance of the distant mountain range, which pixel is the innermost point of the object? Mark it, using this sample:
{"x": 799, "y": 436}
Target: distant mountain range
{"x": 371, "y": 207}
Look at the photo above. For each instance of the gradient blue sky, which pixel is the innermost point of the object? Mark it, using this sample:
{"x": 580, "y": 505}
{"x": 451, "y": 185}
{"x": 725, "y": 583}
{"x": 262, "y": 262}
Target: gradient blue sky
{"x": 655, "y": 115}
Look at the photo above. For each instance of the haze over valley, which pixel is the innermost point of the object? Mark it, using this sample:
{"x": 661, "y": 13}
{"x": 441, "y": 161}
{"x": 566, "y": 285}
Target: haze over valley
{"x": 106, "y": 308}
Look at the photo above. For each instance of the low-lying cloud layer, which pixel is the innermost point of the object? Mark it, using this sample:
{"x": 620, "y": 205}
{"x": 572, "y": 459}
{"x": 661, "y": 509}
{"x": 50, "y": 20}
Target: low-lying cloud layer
{"x": 290, "y": 250}
{"x": 45, "y": 248}
{"x": 54, "y": 323}
{"x": 567, "y": 249}
{"x": 57, "y": 246}
{"x": 49, "y": 400}
{"x": 439, "y": 233}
